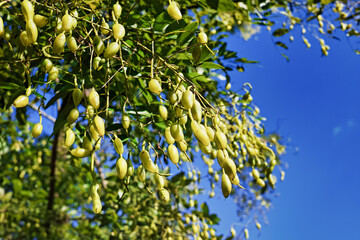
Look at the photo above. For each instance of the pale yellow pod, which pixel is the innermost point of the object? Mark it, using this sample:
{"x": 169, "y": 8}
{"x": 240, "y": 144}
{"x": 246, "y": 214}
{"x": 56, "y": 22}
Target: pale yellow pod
{"x": 69, "y": 138}
{"x": 111, "y": 50}
{"x": 160, "y": 181}
{"x": 173, "y": 153}
{"x": 94, "y": 99}
{"x": 24, "y": 39}
{"x": 125, "y": 121}
{"x": 174, "y": 11}
{"x": 147, "y": 162}
{"x": 119, "y": 147}
{"x": 77, "y": 96}
{"x": 118, "y": 31}
{"x": 72, "y": 44}
{"x": 97, "y": 204}
{"x": 177, "y": 132}
{"x": 73, "y": 115}
{"x": 21, "y": 101}
{"x": 168, "y": 137}
{"x": 220, "y": 139}
{"x": 80, "y": 152}
{"x": 104, "y": 27}
{"x": 187, "y": 99}
{"x": 27, "y": 10}
{"x": 67, "y": 22}
{"x": 182, "y": 145}
{"x": 40, "y": 20}
{"x": 99, "y": 125}
{"x": 210, "y": 132}
{"x": 205, "y": 149}
{"x": 2, "y": 30}
{"x": 199, "y": 133}
{"x": 31, "y": 31}
{"x": 94, "y": 134}
{"x": 121, "y": 168}
{"x": 117, "y": 10}
{"x": 196, "y": 111}
{"x": 221, "y": 156}
{"x": 202, "y": 38}
{"x": 230, "y": 168}
{"x": 141, "y": 174}
{"x": 155, "y": 86}
{"x": 163, "y": 112}
{"x": 59, "y": 43}
{"x": 53, "y": 74}
{"x": 164, "y": 195}
{"x": 87, "y": 144}
{"x": 225, "y": 185}
{"x": 37, "y": 129}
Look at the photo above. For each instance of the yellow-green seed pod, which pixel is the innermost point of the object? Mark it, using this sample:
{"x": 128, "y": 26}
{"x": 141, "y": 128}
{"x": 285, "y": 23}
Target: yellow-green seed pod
{"x": 173, "y": 98}
{"x": 74, "y": 20}
{"x": 258, "y": 225}
{"x": 90, "y": 111}
{"x": 174, "y": 11}
{"x": 220, "y": 139}
{"x": 24, "y": 39}
{"x": 147, "y": 162}
{"x": 168, "y": 137}
{"x": 118, "y": 145}
{"x": 59, "y": 43}
{"x": 221, "y": 156}
{"x": 164, "y": 195}
{"x": 118, "y": 31}
{"x": 233, "y": 232}
{"x": 98, "y": 45}
{"x": 40, "y": 20}
{"x": 163, "y": 112}
{"x": 225, "y": 185}
{"x": 94, "y": 99}
{"x": 121, "y": 168}
{"x": 177, "y": 132}
{"x": 117, "y": 10}
{"x": 205, "y": 149}
{"x": 27, "y": 10}
{"x": 183, "y": 119}
{"x": 58, "y": 28}
{"x": 178, "y": 111}
{"x": 255, "y": 173}
{"x": 228, "y": 86}
{"x": 47, "y": 65}
{"x": 210, "y": 132}
{"x": 155, "y": 86}
{"x": 94, "y": 190}
{"x": 31, "y": 31}
{"x": 69, "y": 138}
{"x": 196, "y": 53}
{"x": 187, "y": 99}
{"x": 130, "y": 169}
{"x": 96, "y": 63}
{"x": 125, "y": 121}
{"x": 260, "y": 182}
{"x": 87, "y": 144}
{"x": 230, "y": 168}
{"x": 97, "y": 204}
{"x": 196, "y": 111}
{"x": 140, "y": 172}
{"x": 246, "y": 233}
{"x": 104, "y": 27}
{"x": 202, "y": 38}
{"x": 236, "y": 180}
{"x": 37, "y": 129}
{"x": 77, "y": 96}
{"x": 160, "y": 181}
{"x": 173, "y": 154}
{"x": 80, "y": 152}
{"x": 200, "y": 133}
{"x": 73, "y": 115}
{"x": 216, "y": 177}
{"x": 182, "y": 145}
{"x": 94, "y": 134}
{"x": 28, "y": 91}
{"x": 272, "y": 180}
{"x": 111, "y": 50}
{"x": 67, "y": 22}
{"x": 2, "y": 29}
{"x": 99, "y": 125}
{"x": 53, "y": 74}
{"x": 21, "y": 101}
{"x": 72, "y": 44}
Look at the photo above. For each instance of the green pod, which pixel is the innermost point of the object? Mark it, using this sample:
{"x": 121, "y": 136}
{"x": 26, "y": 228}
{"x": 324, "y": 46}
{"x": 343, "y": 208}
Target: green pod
{"x": 141, "y": 174}
{"x": 53, "y": 74}
{"x": 59, "y": 43}
{"x": 31, "y": 31}
{"x": 72, "y": 44}
{"x": 67, "y": 22}
{"x": 160, "y": 181}
{"x": 118, "y": 145}
{"x": 121, "y": 168}
{"x": 94, "y": 99}
{"x": 196, "y": 53}
{"x": 155, "y": 86}
{"x": 118, "y": 31}
{"x": 173, "y": 154}
{"x": 99, "y": 125}
{"x": 196, "y": 111}
{"x": 94, "y": 134}
{"x": 27, "y": 10}
{"x": 21, "y": 101}
{"x": 96, "y": 63}
{"x": 177, "y": 132}
{"x": 47, "y": 65}
{"x": 73, "y": 115}
{"x": 69, "y": 138}
{"x": 77, "y": 96}
{"x": 87, "y": 144}
{"x": 98, "y": 45}
{"x": 147, "y": 162}
{"x": 164, "y": 195}
{"x": 111, "y": 50}
{"x": 225, "y": 185}
{"x": 125, "y": 121}
{"x": 80, "y": 152}
{"x": 168, "y": 137}
{"x": 37, "y": 129}
{"x": 187, "y": 99}
{"x": 90, "y": 111}
{"x": 40, "y": 20}
{"x": 24, "y": 39}
{"x": 173, "y": 98}
{"x": 97, "y": 204}
{"x": 104, "y": 27}
{"x": 163, "y": 112}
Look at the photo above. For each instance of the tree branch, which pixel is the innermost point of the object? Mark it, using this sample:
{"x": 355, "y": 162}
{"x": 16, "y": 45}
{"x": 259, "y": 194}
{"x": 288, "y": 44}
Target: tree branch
{"x": 36, "y": 108}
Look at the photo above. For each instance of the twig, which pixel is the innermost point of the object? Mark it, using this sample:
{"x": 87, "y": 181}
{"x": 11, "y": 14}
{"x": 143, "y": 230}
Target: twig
{"x": 51, "y": 118}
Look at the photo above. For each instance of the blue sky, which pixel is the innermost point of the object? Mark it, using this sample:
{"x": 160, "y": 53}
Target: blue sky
{"x": 314, "y": 103}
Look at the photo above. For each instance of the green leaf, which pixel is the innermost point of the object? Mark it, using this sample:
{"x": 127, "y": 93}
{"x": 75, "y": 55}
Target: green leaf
{"x": 226, "y": 6}
{"x": 244, "y": 60}
{"x": 189, "y": 32}
{"x": 61, "y": 94}
{"x": 205, "y": 209}
{"x": 162, "y": 21}
{"x": 211, "y": 65}
{"x": 281, "y": 44}
{"x": 280, "y": 32}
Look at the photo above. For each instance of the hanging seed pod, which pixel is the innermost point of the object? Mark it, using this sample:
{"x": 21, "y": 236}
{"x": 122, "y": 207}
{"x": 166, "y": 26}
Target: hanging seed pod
{"x": 2, "y": 29}
{"x": 140, "y": 171}
{"x": 118, "y": 145}
{"x": 31, "y": 31}
{"x": 73, "y": 115}
{"x": 272, "y": 180}
{"x": 246, "y": 233}
{"x": 164, "y": 195}
{"x": 168, "y": 137}
{"x": 182, "y": 145}
{"x": 118, "y": 31}
{"x": 117, "y": 10}
{"x": 196, "y": 53}
{"x": 147, "y": 162}
{"x": 96, "y": 63}
{"x": 221, "y": 156}
{"x": 80, "y": 152}
{"x": 200, "y": 133}
{"x": 72, "y": 44}
{"x": 177, "y": 132}
{"x": 160, "y": 181}
{"x": 174, "y": 11}
{"x": 59, "y": 43}
{"x": 228, "y": 86}
{"x": 211, "y": 133}
{"x": 58, "y": 28}
{"x": 205, "y": 149}
{"x": 111, "y": 50}
{"x": 121, "y": 168}
{"x": 130, "y": 169}
{"x": 77, "y": 96}
{"x": 74, "y": 21}
{"x": 258, "y": 225}
{"x": 24, "y": 39}
{"x": 47, "y": 65}
{"x": 155, "y": 86}
{"x": 187, "y": 99}
{"x": 173, "y": 98}
{"x": 125, "y": 121}
{"x": 104, "y": 27}
{"x": 196, "y": 111}
{"x": 94, "y": 99}
{"x": 230, "y": 168}
{"x": 93, "y": 190}
{"x": 53, "y": 74}
{"x": 90, "y": 112}
{"x": 21, "y": 101}
{"x": 67, "y": 22}
{"x": 236, "y": 180}
{"x": 260, "y": 182}
{"x": 97, "y": 204}
{"x": 173, "y": 154}
{"x": 163, "y": 112}
{"x": 40, "y": 20}
{"x": 98, "y": 45}
{"x": 202, "y": 38}
{"x": 225, "y": 185}
{"x": 87, "y": 144}
{"x": 233, "y": 232}
{"x": 255, "y": 173}
{"x": 178, "y": 111}
{"x": 37, "y": 129}
{"x": 220, "y": 139}
{"x": 27, "y": 10}
{"x": 99, "y": 125}
{"x": 69, "y": 138}
{"x": 94, "y": 134}
{"x": 183, "y": 119}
